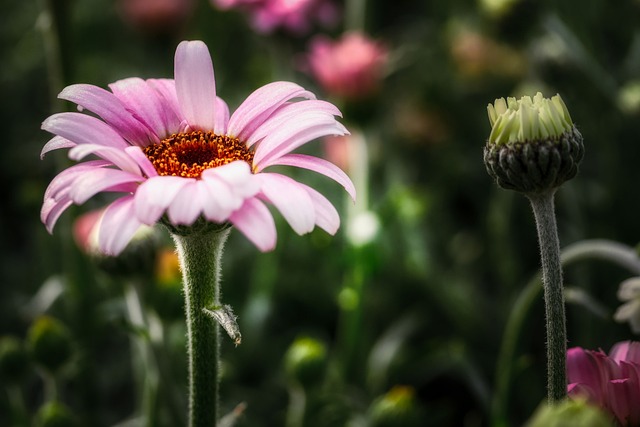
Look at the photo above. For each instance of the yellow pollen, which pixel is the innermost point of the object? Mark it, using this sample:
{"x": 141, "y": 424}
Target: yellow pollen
{"x": 188, "y": 154}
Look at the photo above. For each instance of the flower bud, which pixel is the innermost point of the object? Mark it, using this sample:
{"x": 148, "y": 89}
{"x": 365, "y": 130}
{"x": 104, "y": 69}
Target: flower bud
{"x": 14, "y": 362}
{"x": 533, "y": 146}
{"x": 396, "y": 408}
{"x": 569, "y": 413}
{"x": 55, "y": 414}
{"x": 305, "y": 361}
{"x": 49, "y": 343}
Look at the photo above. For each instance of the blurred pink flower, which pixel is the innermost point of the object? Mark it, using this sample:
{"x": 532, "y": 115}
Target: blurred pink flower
{"x": 85, "y": 231}
{"x": 174, "y": 153}
{"x": 295, "y": 16}
{"x": 156, "y": 16}
{"x": 351, "y": 67}
{"x": 611, "y": 382}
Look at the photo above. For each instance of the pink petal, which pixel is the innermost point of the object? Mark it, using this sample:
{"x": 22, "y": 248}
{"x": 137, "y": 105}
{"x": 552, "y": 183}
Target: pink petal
{"x": 623, "y": 401}
{"x": 83, "y": 129}
{"x": 626, "y": 350}
{"x": 51, "y": 211}
{"x": 56, "y": 143}
{"x": 221, "y": 201}
{"x": 327, "y": 216}
{"x": 584, "y": 367}
{"x": 155, "y": 195}
{"x": 146, "y": 104}
{"x": 291, "y": 111}
{"x": 116, "y": 156}
{"x": 99, "y": 180}
{"x": 237, "y": 175}
{"x": 117, "y": 226}
{"x": 221, "y": 118}
{"x": 318, "y": 165}
{"x": 166, "y": 89}
{"x": 141, "y": 160}
{"x": 65, "y": 178}
{"x": 195, "y": 84}
{"x": 291, "y": 199}
{"x": 262, "y": 103}
{"x": 186, "y": 206}
{"x": 254, "y": 220}
{"x": 106, "y": 105}
{"x": 295, "y": 134}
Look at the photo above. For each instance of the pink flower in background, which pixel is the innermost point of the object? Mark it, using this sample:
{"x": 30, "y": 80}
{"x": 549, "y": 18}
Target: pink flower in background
{"x": 351, "y": 67}
{"x": 156, "y": 16}
{"x": 295, "y": 16}
{"x": 171, "y": 151}
{"x": 611, "y": 382}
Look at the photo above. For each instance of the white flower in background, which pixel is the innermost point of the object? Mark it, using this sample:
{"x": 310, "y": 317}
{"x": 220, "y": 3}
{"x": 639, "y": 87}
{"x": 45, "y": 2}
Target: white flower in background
{"x": 629, "y": 291}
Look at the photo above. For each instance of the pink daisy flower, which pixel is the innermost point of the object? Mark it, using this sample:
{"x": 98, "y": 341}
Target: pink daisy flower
{"x": 172, "y": 152}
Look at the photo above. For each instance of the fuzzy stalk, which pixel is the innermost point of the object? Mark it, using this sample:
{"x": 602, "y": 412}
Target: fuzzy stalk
{"x": 200, "y": 255}
{"x": 543, "y": 210}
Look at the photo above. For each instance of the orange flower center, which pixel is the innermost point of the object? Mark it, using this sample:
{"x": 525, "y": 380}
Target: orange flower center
{"x": 188, "y": 154}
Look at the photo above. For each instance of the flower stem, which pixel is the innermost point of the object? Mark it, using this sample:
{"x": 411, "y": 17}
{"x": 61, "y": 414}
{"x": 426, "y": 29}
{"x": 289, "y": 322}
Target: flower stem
{"x": 200, "y": 255}
{"x": 543, "y": 210}
{"x": 606, "y": 250}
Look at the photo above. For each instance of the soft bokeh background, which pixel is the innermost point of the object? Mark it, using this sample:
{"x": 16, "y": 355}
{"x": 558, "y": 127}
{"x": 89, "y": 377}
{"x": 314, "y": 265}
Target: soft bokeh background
{"x": 409, "y": 324}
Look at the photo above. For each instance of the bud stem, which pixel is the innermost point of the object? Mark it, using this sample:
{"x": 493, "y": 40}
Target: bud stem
{"x": 200, "y": 255}
{"x": 543, "y": 210}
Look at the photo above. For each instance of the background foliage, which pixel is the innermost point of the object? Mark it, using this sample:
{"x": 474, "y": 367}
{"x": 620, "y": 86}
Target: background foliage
{"x": 438, "y": 281}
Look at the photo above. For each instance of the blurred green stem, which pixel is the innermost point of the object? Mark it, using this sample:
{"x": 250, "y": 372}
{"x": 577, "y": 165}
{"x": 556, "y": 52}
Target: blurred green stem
{"x": 355, "y": 11}
{"x": 19, "y": 415}
{"x": 543, "y": 210}
{"x": 146, "y": 363}
{"x": 297, "y": 405}
{"x": 51, "y": 25}
{"x": 200, "y": 255}
{"x": 606, "y": 250}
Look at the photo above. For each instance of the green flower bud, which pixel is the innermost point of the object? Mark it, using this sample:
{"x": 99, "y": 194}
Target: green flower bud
{"x": 55, "y": 414}
{"x": 396, "y": 408}
{"x": 49, "y": 342}
{"x": 533, "y": 146}
{"x": 569, "y": 413}
{"x": 305, "y": 361}
{"x": 14, "y": 362}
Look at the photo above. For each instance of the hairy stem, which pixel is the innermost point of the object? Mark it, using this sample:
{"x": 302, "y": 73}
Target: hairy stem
{"x": 543, "y": 210}
{"x": 200, "y": 255}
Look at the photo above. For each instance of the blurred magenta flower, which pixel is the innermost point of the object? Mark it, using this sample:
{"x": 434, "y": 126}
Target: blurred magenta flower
{"x": 156, "y": 16}
{"x": 172, "y": 152}
{"x": 611, "y": 382}
{"x": 295, "y": 16}
{"x": 351, "y": 67}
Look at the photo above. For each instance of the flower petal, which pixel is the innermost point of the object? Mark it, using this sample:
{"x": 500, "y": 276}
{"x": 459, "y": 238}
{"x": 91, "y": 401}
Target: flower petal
{"x": 51, "y": 211}
{"x": 141, "y": 160}
{"x": 186, "y": 206}
{"x": 65, "y": 178}
{"x": 117, "y": 226}
{"x": 221, "y": 201}
{"x": 291, "y": 199}
{"x": 116, "y": 156}
{"x": 56, "y": 143}
{"x": 237, "y": 175}
{"x": 254, "y": 220}
{"x": 155, "y": 195}
{"x": 295, "y": 133}
{"x": 99, "y": 180}
{"x": 261, "y": 104}
{"x": 327, "y": 216}
{"x": 166, "y": 89}
{"x": 222, "y": 117}
{"x": 318, "y": 165}
{"x": 106, "y": 105}
{"x": 146, "y": 104}
{"x": 291, "y": 111}
{"x": 83, "y": 129}
{"x": 195, "y": 84}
